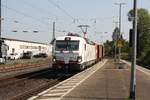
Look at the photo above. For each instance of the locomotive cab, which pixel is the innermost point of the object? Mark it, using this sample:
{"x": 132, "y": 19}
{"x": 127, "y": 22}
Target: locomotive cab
{"x": 66, "y": 53}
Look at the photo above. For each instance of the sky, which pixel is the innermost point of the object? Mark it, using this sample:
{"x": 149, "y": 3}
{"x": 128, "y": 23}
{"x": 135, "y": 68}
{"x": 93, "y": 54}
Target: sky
{"x": 38, "y": 15}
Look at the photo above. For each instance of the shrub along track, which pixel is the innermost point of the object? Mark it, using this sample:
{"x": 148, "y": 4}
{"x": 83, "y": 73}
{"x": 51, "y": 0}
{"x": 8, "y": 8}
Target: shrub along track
{"x": 23, "y": 86}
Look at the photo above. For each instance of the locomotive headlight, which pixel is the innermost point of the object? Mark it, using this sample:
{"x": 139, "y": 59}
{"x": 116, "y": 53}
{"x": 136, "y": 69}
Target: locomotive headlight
{"x": 79, "y": 58}
{"x": 54, "y": 58}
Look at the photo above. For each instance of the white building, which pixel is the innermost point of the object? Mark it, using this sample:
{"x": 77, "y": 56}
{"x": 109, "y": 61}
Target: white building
{"x": 15, "y": 46}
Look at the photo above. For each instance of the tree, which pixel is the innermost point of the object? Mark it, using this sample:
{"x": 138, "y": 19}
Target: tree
{"x": 108, "y": 48}
{"x": 115, "y": 35}
{"x": 143, "y": 27}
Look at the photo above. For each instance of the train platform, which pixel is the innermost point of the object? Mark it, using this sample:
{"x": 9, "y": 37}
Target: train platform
{"x": 104, "y": 81}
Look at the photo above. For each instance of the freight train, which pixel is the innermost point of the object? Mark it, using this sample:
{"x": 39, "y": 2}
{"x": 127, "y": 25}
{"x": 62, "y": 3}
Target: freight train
{"x": 75, "y": 52}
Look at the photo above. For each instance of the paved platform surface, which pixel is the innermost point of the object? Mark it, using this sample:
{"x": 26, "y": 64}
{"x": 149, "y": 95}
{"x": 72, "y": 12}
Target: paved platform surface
{"x": 103, "y": 81}
{"x": 110, "y": 83}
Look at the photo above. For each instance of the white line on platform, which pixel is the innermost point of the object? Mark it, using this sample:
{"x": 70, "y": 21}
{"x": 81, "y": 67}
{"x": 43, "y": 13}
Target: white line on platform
{"x": 49, "y": 99}
{"x": 55, "y": 94}
{"x": 142, "y": 69}
{"x": 80, "y": 77}
{"x": 64, "y": 87}
{"x": 59, "y": 90}
{"x": 83, "y": 79}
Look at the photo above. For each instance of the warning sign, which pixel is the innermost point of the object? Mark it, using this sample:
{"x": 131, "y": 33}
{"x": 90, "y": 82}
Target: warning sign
{"x": 119, "y": 43}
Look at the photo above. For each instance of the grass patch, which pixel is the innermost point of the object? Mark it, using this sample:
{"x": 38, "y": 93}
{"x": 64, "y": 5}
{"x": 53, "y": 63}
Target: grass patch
{"x": 26, "y": 62}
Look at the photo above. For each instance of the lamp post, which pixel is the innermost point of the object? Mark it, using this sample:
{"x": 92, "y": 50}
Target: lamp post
{"x": 120, "y": 6}
{"x": 134, "y": 52}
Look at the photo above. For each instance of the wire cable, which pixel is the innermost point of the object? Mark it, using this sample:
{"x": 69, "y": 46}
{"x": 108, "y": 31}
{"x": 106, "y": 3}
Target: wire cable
{"x": 64, "y": 11}
{"x": 25, "y": 15}
{"x": 36, "y": 7}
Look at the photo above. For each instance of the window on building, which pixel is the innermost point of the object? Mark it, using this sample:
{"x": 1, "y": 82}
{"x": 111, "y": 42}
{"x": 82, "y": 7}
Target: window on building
{"x": 13, "y": 50}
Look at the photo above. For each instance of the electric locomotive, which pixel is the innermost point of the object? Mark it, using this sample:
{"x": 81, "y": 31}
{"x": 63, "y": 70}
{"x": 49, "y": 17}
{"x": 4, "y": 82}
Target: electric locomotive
{"x": 75, "y": 52}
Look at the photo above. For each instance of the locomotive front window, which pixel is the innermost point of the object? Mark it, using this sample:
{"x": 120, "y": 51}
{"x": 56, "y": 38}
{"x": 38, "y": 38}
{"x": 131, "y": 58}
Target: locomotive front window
{"x": 73, "y": 45}
{"x": 61, "y": 45}
{"x": 67, "y": 45}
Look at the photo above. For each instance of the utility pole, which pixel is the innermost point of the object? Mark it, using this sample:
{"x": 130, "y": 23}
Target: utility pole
{"x": 84, "y": 31}
{"x": 134, "y": 46}
{"x": 53, "y": 31}
{"x": 1, "y": 59}
{"x": 53, "y": 40}
{"x": 120, "y": 6}
{"x": 0, "y": 19}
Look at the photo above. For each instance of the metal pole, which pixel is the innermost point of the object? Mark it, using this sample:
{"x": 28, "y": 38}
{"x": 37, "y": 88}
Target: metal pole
{"x": 0, "y": 33}
{"x": 84, "y": 31}
{"x": 115, "y": 50}
{"x": 0, "y": 17}
{"x": 115, "y": 45}
{"x": 119, "y": 28}
{"x": 53, "y": 30}
{"x": 133, "y": 65}
{"x": 115, "y": 42}
{"x": 120, "y": 6}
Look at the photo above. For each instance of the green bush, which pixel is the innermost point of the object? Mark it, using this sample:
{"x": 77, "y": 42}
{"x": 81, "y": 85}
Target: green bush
{"x": 146, "y": 59}
{"x": 124, "y": 56}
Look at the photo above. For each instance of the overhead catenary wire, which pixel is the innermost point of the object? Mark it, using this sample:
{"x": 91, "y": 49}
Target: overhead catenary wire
{"x": 24, "y": 26}
{"x": 37, "y": 8}
{"x": 63, "y": 10}
{"x": 46, "y": 12}
{"x": 25, "y": 15}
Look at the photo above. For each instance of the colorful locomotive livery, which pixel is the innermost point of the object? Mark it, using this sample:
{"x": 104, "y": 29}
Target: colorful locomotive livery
{"x": 75, "y": 52}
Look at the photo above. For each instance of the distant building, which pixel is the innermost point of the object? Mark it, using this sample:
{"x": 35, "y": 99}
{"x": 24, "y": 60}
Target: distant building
{"x": 18, "y": 47}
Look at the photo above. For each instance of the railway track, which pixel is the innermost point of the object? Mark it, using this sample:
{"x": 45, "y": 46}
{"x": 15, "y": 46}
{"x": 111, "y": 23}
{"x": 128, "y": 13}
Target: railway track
{"x": 13, "y": 80}
{"x": 24, "y": 86}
